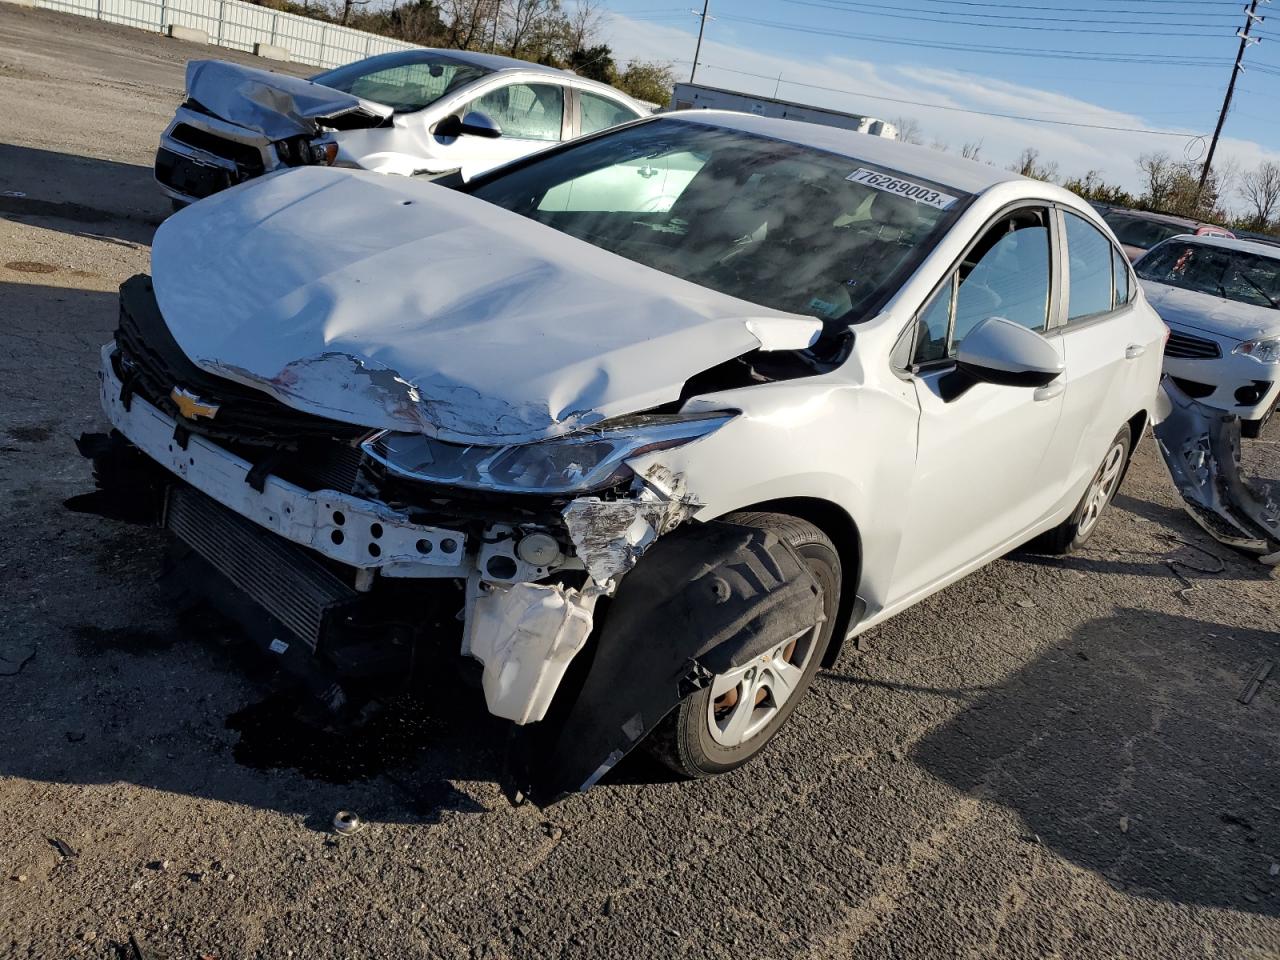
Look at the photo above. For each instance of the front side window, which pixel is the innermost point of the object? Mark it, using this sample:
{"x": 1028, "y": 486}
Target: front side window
{"x": 600, "y": 113}
{"x": 1089, "y": 255}
{"x": 1218, "y": 271}
{"x": 779, "y": 224}
{"x": 524, "y": 111}
{"x": 1006, "y": 274}
{"x": 405, "y": 82}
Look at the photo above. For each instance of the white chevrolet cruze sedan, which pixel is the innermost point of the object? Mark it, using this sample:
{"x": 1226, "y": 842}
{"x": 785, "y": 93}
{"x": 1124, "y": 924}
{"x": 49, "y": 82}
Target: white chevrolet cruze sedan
{"x": 646, "y": 425}
{"x": 1221, "y": 300}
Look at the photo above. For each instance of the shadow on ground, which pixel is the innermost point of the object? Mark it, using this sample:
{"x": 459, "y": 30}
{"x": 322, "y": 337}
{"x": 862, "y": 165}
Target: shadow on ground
{"x": 1127, "y": 752}
{"x": 84, "y": 196}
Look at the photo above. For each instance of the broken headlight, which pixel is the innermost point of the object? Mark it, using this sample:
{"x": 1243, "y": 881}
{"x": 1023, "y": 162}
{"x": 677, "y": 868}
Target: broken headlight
{"x": 576, "y": 463}
{"x": 1264, "y": 351}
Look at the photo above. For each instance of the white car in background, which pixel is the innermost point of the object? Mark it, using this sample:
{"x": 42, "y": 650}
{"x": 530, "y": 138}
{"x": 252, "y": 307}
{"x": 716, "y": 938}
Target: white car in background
{"x": 647, "y": 453}
{"x": 413, "y": 113}
{"x": 1221, "y": 300}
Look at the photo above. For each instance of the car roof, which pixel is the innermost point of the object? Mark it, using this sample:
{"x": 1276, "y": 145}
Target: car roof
{"x": 1169, "y": 218}
{"x": 492, "y": 62}
{"x": 1227, "y": 243}
{"x": 906, "y": 158}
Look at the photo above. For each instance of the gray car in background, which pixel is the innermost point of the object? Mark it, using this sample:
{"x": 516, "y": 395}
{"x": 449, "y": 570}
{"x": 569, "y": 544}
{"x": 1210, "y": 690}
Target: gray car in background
{"x": 414, "y": 113}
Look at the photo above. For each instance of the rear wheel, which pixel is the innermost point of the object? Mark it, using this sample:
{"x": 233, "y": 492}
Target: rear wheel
{"x": 1075, "y": 531}
{"x": 729, "y": 722}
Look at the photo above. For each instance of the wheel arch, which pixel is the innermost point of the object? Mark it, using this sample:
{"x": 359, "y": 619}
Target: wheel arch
{"x": 836, "y": 523}
{"x": 1137, "y": 424}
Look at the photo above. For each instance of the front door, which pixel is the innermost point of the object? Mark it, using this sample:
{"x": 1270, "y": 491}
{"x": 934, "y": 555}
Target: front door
{"x": 982, "y": 449}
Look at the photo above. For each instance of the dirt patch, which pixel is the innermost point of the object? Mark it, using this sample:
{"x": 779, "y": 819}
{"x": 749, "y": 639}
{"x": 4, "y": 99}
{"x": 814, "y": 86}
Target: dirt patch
{"x": 30, "y": 266}
{"x": 29, "y": 434}
{"x": 93, "y": 640}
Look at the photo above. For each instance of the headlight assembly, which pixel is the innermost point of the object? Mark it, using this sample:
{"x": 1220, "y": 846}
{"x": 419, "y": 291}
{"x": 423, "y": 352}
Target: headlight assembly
{"x": 588, "y": 460}
{"x": 1263, "y": 350}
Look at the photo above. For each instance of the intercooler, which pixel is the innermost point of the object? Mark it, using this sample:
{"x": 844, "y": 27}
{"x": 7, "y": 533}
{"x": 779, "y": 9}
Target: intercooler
{"x": 283, "y": 579}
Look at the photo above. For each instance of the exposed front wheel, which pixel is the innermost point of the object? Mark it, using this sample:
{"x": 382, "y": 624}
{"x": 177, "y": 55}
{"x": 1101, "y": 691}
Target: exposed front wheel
{"x": 1073, "y": 532}
{"x": 729, "y": 722}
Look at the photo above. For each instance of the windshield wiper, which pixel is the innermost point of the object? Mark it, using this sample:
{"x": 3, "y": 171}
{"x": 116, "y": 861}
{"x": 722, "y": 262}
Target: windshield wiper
{"x": 1275, "y": 304}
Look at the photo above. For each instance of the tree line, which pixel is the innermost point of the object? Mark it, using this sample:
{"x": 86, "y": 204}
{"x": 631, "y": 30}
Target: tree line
{"x": 1167, "y": 185}
{"x": 556, "y": 33}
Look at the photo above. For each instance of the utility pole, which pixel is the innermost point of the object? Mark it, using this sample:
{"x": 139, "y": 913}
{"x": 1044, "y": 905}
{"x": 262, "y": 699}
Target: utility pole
{"x": 1246, "y": 41}
{"x": 702, "y": 26}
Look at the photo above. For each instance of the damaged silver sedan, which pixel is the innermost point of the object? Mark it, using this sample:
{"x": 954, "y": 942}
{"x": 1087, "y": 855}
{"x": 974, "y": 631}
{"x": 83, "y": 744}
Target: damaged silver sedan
{"x": 646, "y": 425}
{"x": 413, "y": 113}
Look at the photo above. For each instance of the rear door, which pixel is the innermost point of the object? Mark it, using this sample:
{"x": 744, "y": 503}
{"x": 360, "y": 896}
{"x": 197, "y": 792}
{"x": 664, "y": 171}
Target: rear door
{"x": 981, "y": 477}
{"x": 1107, "y": 343}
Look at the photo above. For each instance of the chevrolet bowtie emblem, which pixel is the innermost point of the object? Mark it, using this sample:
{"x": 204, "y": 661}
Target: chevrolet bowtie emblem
{"x": 191, "y": 406}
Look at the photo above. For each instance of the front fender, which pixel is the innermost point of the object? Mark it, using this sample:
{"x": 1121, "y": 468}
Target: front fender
{"x": 705, "y": 598}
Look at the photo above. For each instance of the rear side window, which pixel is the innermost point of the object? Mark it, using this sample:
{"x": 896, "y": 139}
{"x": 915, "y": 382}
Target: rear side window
{"x": 1089, "y": 254}
{"x": 600, "y": 113}
{"x": 1121, "y": 269}
{"x": 525, "y": 111}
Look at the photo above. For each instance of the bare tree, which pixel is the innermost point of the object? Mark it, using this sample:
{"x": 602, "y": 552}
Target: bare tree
{"x": 1159, "y": 179}
{"x": 1260, "y": 188}
{"x": 971, "y": 150}
{"x": 524, "y": 19}
{"x": 470, "y": 22}
{"x": 346, "y": 9}
{"x": 939, "y": 144}
{"x": 1029, "y": 165}
{"x": 908, "y": 129}
{"x": 582, "y": 24}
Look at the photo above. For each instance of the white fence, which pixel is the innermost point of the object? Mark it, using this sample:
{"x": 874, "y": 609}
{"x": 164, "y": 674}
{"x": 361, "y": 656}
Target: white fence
{"x": 231, "y": 23}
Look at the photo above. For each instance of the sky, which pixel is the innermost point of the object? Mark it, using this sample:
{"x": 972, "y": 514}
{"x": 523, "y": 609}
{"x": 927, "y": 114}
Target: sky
{"x": 1155, "y": 70}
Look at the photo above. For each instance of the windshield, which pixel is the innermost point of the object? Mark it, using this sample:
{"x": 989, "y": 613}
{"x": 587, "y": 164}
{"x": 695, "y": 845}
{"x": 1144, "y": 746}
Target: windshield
{"x": 1141, "y": 233}
{"x": 403, "y": 81}
{"x": 786, "y": 226}
{"x": 1233, "y": 274}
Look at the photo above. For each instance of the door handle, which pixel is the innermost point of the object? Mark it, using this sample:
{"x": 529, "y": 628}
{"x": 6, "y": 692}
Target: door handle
{"x": 1049, "y": 391}
{"x": 1134, "y": 351}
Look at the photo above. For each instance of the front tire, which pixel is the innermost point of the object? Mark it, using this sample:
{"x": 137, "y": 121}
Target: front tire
{"x": 1075, "y": 531}
{"x": 729, "y": 722}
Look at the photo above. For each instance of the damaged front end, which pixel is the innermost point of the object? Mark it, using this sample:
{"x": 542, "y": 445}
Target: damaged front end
{"x": 362, "y": 557}
{"x": 1201, "y": 448}
{"x": 240, "y": 122}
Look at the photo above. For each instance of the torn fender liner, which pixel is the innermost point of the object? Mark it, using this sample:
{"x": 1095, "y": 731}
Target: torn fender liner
{"x": 274, "y": 104}
{"x": 705, "y": 598}
{"x": 526, "y": 634}
{"x": 1201, "y": 448}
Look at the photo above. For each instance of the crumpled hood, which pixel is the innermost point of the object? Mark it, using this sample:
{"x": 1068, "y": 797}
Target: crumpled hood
{"x": 274, "y": 104}
{"x": 1203, "y": 311}
{"x": 391, "y": 303}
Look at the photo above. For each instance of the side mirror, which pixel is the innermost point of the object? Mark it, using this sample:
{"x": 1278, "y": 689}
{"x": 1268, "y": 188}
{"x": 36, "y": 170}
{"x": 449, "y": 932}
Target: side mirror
{"x": 474, "y": 124}
{"x": 1003, "y": 352}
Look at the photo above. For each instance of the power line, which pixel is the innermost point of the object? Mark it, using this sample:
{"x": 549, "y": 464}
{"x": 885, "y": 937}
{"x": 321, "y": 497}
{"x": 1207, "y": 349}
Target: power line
{"x": 1220, "y": 4}
{"x": 1250, "y": 16}
{"x": 1154, "y": 60}
{"x": 976, "y": 19}
{"x": 951, "y": 109}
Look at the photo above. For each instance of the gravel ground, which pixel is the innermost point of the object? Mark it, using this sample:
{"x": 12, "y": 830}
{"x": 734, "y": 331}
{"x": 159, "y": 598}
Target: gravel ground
{"x": 1047, "y": 759}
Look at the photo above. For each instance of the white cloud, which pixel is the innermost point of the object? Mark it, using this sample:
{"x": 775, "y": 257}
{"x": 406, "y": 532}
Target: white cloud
{"x": 1075, "y": 149}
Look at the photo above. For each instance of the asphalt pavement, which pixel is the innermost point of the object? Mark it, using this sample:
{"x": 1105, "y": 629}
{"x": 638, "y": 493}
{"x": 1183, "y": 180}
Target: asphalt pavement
{"x": 1048, "y": 759}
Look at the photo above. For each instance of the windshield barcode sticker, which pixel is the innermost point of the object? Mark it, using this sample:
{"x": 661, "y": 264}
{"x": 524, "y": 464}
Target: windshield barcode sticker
{"x": 903, "y": 188}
